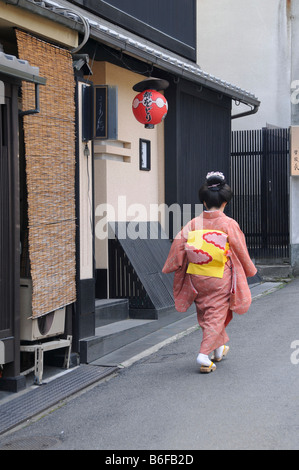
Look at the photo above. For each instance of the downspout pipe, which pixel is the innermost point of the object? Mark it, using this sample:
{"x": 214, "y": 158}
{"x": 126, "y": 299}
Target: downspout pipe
{"x": 37, "y": 108}
{"x": 247, "y": 113}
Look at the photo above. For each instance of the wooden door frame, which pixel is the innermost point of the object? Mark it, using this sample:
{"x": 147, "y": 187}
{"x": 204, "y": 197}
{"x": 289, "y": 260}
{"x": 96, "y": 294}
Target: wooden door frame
{"x": 11, "y": 379}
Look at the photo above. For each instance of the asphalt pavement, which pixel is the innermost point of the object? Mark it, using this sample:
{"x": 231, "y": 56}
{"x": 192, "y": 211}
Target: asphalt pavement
{"x": 160, "y": 401}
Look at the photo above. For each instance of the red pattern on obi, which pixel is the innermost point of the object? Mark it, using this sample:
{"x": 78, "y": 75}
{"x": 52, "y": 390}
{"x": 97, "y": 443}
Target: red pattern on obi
{"x": 197, "y": 256}
{"x": 217, "y": 239}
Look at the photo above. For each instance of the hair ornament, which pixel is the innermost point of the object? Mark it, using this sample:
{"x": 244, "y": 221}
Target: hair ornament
{"x": 215, "y": 179}
{"x": 215, "y": 174}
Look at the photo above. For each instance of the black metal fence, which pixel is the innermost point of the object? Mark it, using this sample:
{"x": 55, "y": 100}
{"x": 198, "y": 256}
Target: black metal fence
{"x": 260, "y": 181}
{"x": 123, "y": 279}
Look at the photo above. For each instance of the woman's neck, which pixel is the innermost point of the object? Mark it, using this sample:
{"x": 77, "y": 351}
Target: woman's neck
{"x": 213, "y": 209}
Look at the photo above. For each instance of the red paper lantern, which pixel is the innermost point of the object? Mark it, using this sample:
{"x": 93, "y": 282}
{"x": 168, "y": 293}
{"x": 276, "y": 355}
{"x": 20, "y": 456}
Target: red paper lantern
{"x": 150, "y": 107}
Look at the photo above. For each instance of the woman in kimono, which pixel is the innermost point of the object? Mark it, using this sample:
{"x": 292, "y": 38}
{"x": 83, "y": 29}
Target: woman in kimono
{"x": 211, "y": 264}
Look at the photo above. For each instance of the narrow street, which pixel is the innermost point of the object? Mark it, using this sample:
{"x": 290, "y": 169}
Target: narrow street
{"x": 162, "y": 402}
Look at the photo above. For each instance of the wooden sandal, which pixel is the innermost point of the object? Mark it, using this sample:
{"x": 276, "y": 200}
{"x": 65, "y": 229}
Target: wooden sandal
{"x": 208, "y": 369}
{"x": 225, "y": 351}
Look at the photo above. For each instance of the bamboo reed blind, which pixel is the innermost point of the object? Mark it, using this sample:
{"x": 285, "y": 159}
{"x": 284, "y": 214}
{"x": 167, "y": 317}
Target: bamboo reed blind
{"x": 50, "y": 171}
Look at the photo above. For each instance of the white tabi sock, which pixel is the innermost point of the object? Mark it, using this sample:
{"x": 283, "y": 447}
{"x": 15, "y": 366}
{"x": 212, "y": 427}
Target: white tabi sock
{"x": 219, "y": 351}
{"x": 203, "y": 360}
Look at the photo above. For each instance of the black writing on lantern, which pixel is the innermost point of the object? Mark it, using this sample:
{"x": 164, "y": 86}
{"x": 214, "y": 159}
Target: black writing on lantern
{"x": 147, "y": 102}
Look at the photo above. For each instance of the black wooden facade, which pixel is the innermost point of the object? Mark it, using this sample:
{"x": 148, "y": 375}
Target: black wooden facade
{"x": 197, "y": 140}
{"x": 165, "y": 22}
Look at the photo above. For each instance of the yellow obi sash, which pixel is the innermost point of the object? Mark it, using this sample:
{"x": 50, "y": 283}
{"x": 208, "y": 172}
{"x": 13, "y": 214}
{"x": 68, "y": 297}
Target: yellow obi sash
{"x": 206, "y": 252}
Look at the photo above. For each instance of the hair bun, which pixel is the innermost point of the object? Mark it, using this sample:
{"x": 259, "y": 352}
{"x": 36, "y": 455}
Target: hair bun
{"x": 215, "y": 180}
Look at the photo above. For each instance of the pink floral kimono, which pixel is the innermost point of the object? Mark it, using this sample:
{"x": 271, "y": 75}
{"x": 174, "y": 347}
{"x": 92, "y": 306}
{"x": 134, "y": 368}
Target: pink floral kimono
{"x": 210, "y": 261}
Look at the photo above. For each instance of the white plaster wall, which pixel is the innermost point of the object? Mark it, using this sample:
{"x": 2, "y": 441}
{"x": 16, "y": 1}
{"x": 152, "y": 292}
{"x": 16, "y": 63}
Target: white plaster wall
{"x": 247, "y": 43}
{"x": 294, "y": 190}
{"x": 85, "y": 194}
{"x": 295, "y": 62}
{"x": 119, "y": 183}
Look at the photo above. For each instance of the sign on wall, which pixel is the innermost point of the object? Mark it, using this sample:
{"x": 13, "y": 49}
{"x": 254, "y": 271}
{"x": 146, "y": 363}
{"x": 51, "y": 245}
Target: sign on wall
{"x": 294, "y": 151}
{"x": 105, "y": 112}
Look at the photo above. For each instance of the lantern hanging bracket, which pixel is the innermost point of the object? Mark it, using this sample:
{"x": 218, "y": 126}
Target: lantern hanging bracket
{"x": 151, "y": 83}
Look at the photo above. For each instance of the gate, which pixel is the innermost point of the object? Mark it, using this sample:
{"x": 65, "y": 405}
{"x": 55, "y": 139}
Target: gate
{"x": 260, "y": 181}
